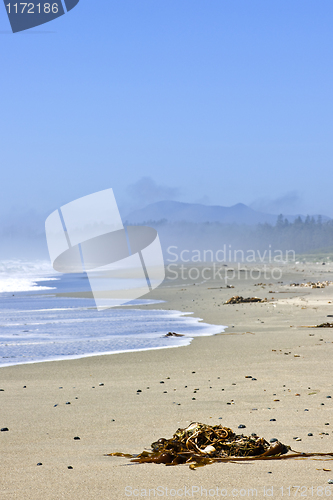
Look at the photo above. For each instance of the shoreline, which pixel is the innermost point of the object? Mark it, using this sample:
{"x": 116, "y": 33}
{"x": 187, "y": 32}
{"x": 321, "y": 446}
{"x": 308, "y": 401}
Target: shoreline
{"x": 291, "y": 373}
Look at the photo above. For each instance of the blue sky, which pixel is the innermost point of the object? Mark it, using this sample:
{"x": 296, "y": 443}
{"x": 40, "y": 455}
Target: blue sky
{"x": 203, "y": 100}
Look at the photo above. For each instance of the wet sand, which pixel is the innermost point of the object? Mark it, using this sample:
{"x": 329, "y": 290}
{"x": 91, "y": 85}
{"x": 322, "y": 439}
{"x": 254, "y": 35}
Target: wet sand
{"x": 291, "y": 365}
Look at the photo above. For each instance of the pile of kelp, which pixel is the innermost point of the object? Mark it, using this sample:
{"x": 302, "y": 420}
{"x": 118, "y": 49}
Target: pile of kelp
{"x": 312, "y": 284}
{"x": 200, "y": 444}
{"x": 237, "y": 299}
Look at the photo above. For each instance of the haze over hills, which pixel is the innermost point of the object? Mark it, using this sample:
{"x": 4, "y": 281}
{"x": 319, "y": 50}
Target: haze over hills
{"x": 176, "y": 211}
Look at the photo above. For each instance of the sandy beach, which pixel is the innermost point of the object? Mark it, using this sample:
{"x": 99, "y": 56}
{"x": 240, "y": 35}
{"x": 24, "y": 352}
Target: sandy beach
{"x": 46, "y": 405}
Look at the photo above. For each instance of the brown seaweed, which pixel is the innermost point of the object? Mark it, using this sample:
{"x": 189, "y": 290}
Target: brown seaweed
{"x": 237, "y": 299}
{"x": 173, "y": 334}
{"x": 199, "y": 444}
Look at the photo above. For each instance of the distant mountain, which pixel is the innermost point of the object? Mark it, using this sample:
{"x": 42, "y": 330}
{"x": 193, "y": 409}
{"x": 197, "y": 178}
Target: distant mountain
{"x": 176, "y": 211}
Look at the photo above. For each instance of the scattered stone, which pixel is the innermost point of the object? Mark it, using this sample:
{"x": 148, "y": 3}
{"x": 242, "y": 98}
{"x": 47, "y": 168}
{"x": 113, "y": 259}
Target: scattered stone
{"x": 4, "y": 429}
{"x": 310, "y": 434}
{"x": 76, "y": 438}
{"x": 161, "y": 382}
{"x": 242, "y": 426}
{"x": 327, "y": 423}
{"x": 193, "y": 398}
{"x": 330, "y": 481}
{"x": 273, "y": 440}
{"x": 39, "y": 463}
{"x": 69, "y": 467}
{"x": 273, "y": 420}
{"x": 328, "y": 397}
{"x": 298, "y": 439}
{"x": 68, "y": 403}
{"x": 24, "y": 387}
{"x": 139, "y": 390}
{"x": 100, "y": 385}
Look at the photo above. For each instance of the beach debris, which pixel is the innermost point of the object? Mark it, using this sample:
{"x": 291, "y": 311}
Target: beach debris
{"x": 322, "y": 325}
{"x": 173, "y": 334}
{"x": 200, "y": 444}
{"x": 237, "y": 299}
{"x": 312, "y": 284}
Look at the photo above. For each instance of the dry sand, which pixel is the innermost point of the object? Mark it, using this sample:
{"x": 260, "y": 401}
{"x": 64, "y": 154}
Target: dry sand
{"x": 291, "y": 365}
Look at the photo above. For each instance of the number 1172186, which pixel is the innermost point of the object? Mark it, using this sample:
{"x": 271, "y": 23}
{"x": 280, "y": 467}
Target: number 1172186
{"x": 31, "y": 8}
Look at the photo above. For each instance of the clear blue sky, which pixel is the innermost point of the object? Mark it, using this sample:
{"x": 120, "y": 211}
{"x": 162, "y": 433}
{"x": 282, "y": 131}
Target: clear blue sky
{"x": 223, "y": 101}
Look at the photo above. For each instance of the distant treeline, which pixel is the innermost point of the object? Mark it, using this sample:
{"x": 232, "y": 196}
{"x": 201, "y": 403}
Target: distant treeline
{"x": 302, "y": 236}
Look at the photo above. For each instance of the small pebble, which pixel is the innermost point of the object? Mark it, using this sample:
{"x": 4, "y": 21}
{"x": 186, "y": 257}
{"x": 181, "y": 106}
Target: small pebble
{"x": 328, "y": 397}
{"x": 193, "y": 372}
{"x": 113, "y": 420}
{"x": 76, "y": 438}
{"x": 139, "y": 390}
{"x": 68, "y": 403}
{"x": 39, "y": 463}
{"x": 220, "y": 418}
{"x": 306, "y": 409}
{"x": 193, "y": 398}
{"x": 322, "y": 404}
{"x": 242, "y": 426}
{"x": 273, "y": 420}
{"x": 54, "y": 406}
{"x": 254, "y": 379}
{"x": 330, "y": 481}
{"x": 327, "y": 423}
{"x": 298, "y": 439}
{"x": 310, "y": 434}
{"x": 24, "y": 387}
{"x": 161, "y": 382}
{"x": 2, "y": 390}
{"x": 4, "y": 429}
{"x": 69, "y": 467}
{"x": 100, "y": 385}
{"x": 273, "y": 440}
{"x": 165, "y": 392}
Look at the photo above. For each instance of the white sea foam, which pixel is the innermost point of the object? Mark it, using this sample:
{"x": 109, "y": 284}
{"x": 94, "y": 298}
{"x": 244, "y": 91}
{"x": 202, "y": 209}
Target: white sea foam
{"x": 24, "y": 276}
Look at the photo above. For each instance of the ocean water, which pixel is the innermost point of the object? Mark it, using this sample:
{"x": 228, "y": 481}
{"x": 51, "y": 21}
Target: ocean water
{"x": 36, "y": 325}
